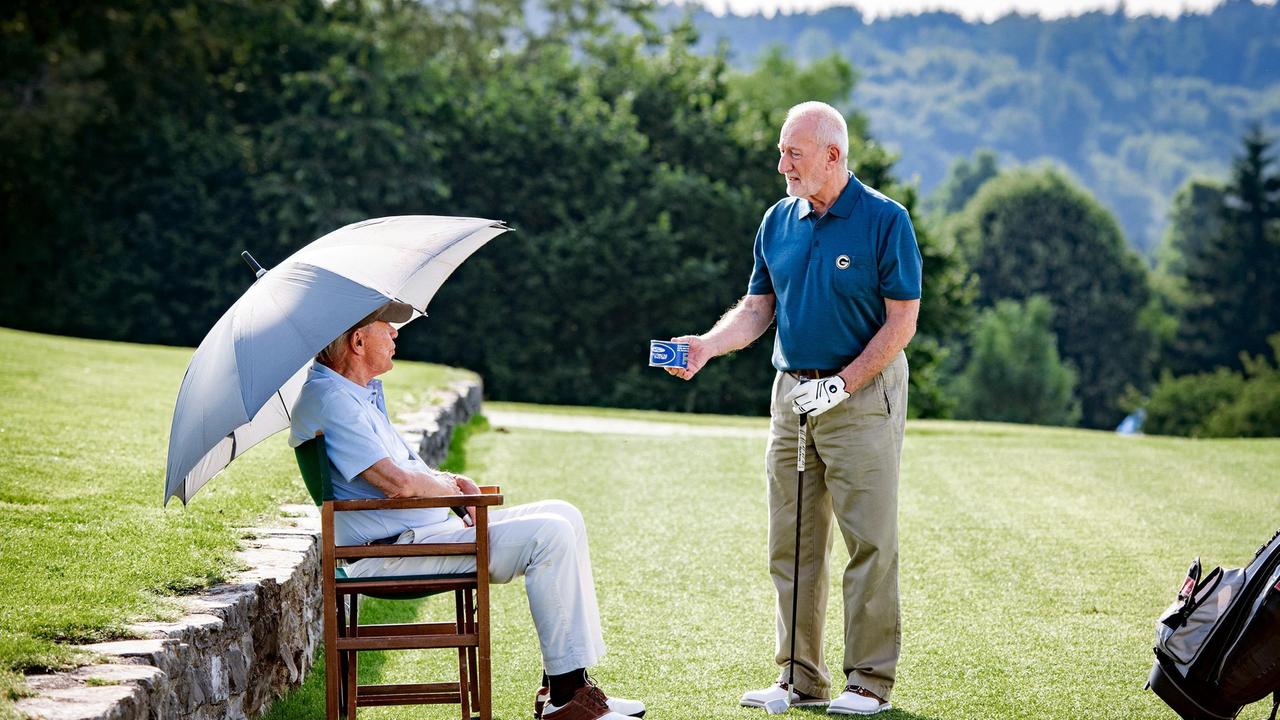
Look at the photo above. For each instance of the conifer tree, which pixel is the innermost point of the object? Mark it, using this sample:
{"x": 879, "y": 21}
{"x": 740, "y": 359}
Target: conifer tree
{"x": 1233, "y": 278}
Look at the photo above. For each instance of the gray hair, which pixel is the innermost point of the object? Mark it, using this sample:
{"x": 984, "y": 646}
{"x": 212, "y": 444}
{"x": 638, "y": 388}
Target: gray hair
{"x": 336, "y": 350}
{"x": 829, "y": 127}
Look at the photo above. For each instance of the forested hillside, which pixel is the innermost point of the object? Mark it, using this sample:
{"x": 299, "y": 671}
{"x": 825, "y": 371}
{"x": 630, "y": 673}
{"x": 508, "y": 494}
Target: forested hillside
{"x": 1131, "y": 106}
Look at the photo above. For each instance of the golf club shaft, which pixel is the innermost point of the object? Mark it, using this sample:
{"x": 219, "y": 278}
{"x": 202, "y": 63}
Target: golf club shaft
{"x": 795, "y": 573}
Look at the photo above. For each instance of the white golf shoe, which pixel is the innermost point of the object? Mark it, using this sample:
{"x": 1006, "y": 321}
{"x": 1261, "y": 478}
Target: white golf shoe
{"x": 623, "y": 706}
{"x": 778, "y": 691}
{"x": 857, "y": 700}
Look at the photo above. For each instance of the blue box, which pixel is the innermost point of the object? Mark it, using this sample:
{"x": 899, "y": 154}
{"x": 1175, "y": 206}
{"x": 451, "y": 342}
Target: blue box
{"x": 663, "y": 353}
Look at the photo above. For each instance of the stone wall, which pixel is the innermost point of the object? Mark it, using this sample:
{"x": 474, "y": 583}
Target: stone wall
{"x": 243, "y": 643}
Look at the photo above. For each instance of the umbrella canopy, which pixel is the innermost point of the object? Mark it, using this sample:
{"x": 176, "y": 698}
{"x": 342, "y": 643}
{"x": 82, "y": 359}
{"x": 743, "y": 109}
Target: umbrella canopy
{"x": 247, "y": 373}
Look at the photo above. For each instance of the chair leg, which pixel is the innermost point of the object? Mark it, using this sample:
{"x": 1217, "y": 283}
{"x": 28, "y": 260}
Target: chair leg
{"x": 470, "y": 619}
{"x": 479, "y": 656}
{"x": 343, "y": 669}
{"x": 331, "y": 668}
{"x": 464, "y": 683}
{"x": 353, "y": 671}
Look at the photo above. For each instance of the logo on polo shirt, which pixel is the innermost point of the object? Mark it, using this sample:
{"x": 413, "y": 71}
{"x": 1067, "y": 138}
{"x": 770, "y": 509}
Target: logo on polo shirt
{"x": 843, "y": 262}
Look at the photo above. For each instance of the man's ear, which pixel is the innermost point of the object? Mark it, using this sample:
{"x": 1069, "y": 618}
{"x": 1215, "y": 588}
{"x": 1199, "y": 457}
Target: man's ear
{"x": 833, "y": 154}
{"x": 356, "y": 342}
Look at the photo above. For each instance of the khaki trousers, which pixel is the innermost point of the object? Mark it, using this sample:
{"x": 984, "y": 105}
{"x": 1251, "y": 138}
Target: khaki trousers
{"x": 851, "y": 474}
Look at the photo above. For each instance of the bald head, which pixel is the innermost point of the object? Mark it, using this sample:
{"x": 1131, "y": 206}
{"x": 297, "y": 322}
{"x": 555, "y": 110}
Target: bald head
{"x": 823, "y": 123}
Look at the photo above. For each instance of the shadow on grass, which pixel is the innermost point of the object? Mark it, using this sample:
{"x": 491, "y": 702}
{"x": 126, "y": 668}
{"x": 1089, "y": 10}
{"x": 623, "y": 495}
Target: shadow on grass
{"x": 894, "y": 714}
{"x": 374, "y": 611}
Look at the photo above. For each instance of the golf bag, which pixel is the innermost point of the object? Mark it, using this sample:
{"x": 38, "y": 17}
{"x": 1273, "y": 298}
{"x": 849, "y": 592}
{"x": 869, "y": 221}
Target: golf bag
{"x": 1218, "y": 645}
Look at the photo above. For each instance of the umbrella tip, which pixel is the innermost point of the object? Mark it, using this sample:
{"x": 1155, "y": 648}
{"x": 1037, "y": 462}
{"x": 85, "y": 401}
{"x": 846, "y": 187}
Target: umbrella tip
{"x": 253, "y": 264}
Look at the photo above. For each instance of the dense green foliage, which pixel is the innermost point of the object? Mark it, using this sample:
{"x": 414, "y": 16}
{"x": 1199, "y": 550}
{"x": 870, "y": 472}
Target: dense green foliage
{"x": 1036, "y": 233}
{"x": 1221, "y": 403}
{"x": 963, "y": 181}
{"x": 146, "y": 145}
{"x": 1219, "y": 284}
{"x": 1180, "y": 405}
{"x": 1232, "y": 275}
{"x": 1134, "y": 106}
{"x": 1014, "y": 373}
{"x": 1196, "y": 216}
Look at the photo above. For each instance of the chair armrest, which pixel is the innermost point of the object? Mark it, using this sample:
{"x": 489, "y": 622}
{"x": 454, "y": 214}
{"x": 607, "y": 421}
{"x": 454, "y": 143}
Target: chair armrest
{"x": 489, "y": 496}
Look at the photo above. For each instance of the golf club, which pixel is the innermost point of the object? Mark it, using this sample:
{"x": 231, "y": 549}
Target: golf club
{"x": 774, "y": 707}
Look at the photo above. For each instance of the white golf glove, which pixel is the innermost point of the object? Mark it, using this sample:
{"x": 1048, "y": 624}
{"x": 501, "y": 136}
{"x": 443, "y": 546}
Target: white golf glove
{"x": 817, "y": 396}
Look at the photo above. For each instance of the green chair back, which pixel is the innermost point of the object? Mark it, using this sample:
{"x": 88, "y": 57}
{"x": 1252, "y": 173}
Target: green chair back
{"x": 313, "y": 463}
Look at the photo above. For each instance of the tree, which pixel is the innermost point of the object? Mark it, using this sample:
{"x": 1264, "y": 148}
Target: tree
{"x": 1233, "y": 278}
{"x": 1033, "y": 232}
{"x": 1220, "y": 403}
{"x": 1194, "y": 216}
{"x": 147, "y": 144}
{"x": 963, "y": 181}
{"x": 1014, "y": 373}
{"x": 657, "y": 242}
{"x": 1179, "y": 405}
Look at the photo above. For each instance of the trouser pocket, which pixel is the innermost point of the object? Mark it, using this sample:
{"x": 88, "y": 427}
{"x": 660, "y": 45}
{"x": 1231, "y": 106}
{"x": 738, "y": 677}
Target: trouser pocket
{"x": 883, "y": 386}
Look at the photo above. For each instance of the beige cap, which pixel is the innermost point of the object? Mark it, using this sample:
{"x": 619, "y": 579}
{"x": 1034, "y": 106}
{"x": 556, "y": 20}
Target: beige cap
{"x": 393, "y": 312}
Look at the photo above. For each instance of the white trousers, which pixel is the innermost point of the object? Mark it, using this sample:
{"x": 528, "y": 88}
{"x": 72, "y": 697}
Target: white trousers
{"x": 546, "y": 542}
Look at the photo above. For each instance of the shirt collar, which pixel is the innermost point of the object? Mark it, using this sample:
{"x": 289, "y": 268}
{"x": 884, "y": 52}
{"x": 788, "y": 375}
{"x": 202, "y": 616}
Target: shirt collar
{"x": 844, "y": 204}
{"x": 366, "y": 393}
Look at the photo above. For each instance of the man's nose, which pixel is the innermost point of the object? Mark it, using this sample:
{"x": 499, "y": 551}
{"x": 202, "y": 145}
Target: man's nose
{"x": 783, "y": 165}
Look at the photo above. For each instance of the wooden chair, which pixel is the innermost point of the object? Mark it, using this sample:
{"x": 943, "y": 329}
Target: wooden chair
{"x": 345, "y": 638}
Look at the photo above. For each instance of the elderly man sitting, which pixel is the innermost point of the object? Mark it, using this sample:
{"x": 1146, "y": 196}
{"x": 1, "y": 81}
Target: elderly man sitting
{"x": 546, "y": 542}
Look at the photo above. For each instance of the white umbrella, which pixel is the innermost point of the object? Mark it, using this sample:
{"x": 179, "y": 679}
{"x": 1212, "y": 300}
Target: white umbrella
{"x": 247, "y": 373}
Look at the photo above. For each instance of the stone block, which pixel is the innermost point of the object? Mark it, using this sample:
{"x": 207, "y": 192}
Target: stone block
{"x": 149, "y": 650}
{"x": 106, "y": 702}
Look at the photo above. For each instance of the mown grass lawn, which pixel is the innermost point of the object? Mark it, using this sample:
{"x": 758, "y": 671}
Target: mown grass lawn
{"x": 86, "y": 546}
{"x": 1034, "y": 563}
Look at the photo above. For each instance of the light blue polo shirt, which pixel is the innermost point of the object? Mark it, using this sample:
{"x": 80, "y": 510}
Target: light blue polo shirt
{"x": 357, "y": 434}
{"x": 831, "y": 274}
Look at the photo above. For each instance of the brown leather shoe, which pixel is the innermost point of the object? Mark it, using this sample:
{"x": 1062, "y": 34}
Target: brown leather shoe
{"x": 587, "y": 704}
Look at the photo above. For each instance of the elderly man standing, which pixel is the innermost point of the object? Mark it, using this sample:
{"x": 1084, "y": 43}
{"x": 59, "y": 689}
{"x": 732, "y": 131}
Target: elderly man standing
{"x": 546, "y": 542}
{"x": 838, "y": 267}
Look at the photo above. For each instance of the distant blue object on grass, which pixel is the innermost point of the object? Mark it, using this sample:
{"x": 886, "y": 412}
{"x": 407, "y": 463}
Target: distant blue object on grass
{"x": 1132, "y": 425}
{"x": 247, "y": 373}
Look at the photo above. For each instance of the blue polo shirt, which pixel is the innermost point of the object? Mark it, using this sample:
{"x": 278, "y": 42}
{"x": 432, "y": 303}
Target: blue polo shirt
{"x": 357, "y": 434}
{"x": 831, "y": 274}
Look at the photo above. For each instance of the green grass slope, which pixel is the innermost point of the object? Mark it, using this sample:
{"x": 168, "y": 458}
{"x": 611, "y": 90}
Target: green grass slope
{"x": 1034, "y": 564}
{"x": 86, "y": 545}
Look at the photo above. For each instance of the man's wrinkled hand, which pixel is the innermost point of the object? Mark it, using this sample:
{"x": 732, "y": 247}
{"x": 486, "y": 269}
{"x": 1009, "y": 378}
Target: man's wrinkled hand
{"x": 817, "y": 396}
{"x": 466, "y": 486}
{"x": 698, "y": 356}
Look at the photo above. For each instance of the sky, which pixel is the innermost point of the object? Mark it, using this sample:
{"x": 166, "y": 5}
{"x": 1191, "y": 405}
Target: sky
{"x": 985, "y": 10}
